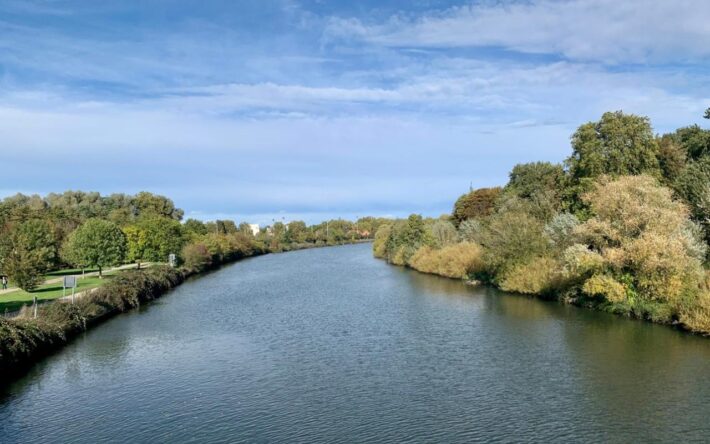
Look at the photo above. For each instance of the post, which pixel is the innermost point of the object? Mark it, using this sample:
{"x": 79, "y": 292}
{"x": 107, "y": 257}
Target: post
{"x": 34, "y": 298}
{"x": 72, "y": 294}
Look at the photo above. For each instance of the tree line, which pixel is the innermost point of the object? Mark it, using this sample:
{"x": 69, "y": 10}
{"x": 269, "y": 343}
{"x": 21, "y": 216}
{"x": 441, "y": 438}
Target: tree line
{"x": 80, "y": 229}
{"x": 623, "y": 224}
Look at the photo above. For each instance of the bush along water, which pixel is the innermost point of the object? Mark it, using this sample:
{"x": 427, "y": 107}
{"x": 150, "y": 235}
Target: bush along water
{"x": 622, "y": 226}
{"x": 25, "y": 339}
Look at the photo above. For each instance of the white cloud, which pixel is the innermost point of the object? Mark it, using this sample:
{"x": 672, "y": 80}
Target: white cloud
{"x": 395, "y": 124}
{"x": 609, "y": 31}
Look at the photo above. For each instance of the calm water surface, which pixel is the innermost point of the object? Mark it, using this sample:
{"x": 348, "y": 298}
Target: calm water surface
{"x": 331, "y": 345}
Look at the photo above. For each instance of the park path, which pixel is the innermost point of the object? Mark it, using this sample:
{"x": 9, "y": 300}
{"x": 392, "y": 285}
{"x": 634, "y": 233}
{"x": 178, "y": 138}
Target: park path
{"x": 59, "y": 279}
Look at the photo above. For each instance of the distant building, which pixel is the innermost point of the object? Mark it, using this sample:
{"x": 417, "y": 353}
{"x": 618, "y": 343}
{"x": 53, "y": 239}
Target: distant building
{"x": 254, "y": 229}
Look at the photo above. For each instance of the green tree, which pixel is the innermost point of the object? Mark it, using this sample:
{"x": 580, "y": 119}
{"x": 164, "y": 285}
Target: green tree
{"x": 195, "y": 227}
{"x": 96, "y": 243}
{"x": 693, "y": 186}
{"x": 379, "y": 246}
{"x": 694, "y": 140}
{"x": 148, "y": 204}
{"x": 154, "y": 239}
{"x": 136, "y": 243}
{"x": 512, "y": 236}
{"x": 529, "y": 179}
{"x": 28, "y": 252}
{"x": 672, "y": 158}
{"x": 227, "y": 227}
{"x": 618, "y": 144}
{"x": 297, "y": 231}
{"x": 245, "y": 229}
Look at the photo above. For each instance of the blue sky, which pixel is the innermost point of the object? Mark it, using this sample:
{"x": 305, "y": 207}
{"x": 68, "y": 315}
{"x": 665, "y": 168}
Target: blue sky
{"x": 255, "y": 110}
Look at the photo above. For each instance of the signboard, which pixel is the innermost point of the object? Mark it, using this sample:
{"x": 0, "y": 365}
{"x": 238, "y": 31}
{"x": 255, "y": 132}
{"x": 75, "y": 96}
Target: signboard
{"x": 172, "y": 259}
{"x": 69, "y": 281}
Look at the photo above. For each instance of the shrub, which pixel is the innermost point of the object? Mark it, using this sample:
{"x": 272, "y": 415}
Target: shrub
{"x": 196, "y": 256}
{"x": 511, "y": 237}
{"x": 454, "y": 261}
{"x": 696, "y": 315}
{"x": 642, "y": 233}
{"x": 379, "y": 246}
{"x": 541, "y": 276}
{"x": 444, "y": 233}
{"x": 606, "y": 287}
{"x": 400, "y": 256}
{"x": 580, "y": 262}
{"x": 24, "y": 340}
{"x": 560, "y": 230}
{"x": 405, "y": 238}
{"x": 470, "y": 230}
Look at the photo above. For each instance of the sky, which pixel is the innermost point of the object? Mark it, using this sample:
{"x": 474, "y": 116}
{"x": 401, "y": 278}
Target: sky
{"x": 284, "y": 109}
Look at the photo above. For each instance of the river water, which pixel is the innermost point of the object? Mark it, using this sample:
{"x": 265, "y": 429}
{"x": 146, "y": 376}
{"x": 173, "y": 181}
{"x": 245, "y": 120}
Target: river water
{"x": 331, "y": 345}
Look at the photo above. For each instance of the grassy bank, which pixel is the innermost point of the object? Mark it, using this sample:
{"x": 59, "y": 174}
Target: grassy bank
{"x": 24, "y": 340}
{"x": 49, "y": 291}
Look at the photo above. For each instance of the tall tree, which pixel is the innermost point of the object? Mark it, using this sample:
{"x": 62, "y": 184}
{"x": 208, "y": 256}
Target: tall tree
{"x": 475, "y": 204}
{"x": 152, "y": 204}
{"x": 96, "y": 243}
{"x": 28, "y": 252}
{"x": 694, "y": 139}
{"x": 154, "y": 239}
{"x": 528, "y": 179}
{"x": 195, "y": 227}
{"x": 618, "y": 144}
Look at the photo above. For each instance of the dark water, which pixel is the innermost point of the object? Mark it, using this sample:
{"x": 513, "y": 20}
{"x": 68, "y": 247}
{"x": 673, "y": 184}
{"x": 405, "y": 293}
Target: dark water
{"x": 331, "y": 345}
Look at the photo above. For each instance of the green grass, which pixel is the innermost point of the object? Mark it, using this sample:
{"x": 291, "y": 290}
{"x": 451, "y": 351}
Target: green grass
{"x": 15, "y": 300}
{"x": 68, "y": 271}
{"x": 61, "y": 273}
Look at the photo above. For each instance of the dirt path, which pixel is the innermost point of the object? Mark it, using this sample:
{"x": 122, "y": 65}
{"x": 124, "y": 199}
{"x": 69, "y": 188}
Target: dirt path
{"x": 93, "y": 273}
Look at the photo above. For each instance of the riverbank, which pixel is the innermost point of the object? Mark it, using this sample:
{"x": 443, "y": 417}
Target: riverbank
{"x": 25, "y": 340}
{"x": 324, "y": 343}
{"x": 12, "y": 300}
{"x": 453, "y": 271}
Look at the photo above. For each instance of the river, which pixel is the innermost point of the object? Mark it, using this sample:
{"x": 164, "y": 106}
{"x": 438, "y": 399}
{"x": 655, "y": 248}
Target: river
{"x": 331, "y": 345}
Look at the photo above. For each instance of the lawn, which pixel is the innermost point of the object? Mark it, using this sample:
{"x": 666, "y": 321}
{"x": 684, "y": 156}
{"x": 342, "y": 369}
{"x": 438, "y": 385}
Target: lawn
{"x": 68, "y": 271}
{"x": 60, "y": 273}
{"x": 15, "y": 300}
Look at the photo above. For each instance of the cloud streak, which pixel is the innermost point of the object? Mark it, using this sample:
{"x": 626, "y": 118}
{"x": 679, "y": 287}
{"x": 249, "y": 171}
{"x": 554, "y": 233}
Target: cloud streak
{"x": 274, "y": 108}
{"x": 608, "y": 31}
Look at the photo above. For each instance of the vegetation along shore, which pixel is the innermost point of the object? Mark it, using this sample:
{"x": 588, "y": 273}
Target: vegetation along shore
{"x": 622, "y": 225}
{"x": 61, "y": 234}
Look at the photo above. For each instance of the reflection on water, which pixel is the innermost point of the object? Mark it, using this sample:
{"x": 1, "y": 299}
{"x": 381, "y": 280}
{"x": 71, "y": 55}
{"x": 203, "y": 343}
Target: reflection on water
{"x": 332, "y": 345}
